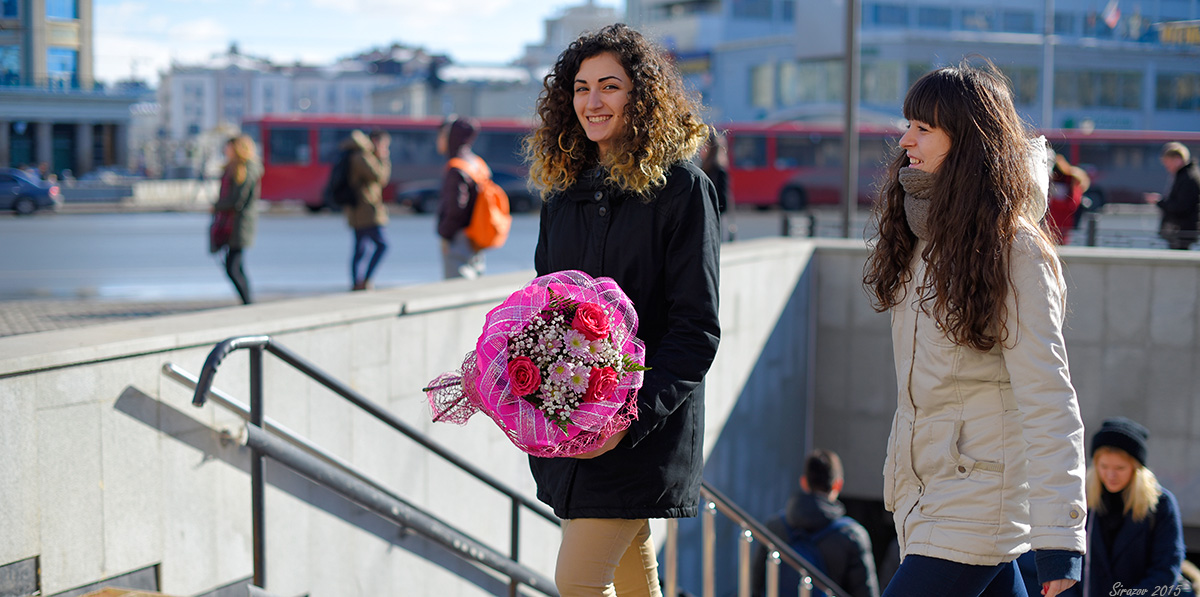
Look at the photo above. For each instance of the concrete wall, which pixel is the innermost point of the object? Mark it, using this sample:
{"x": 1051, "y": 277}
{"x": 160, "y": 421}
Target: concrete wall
{"x": 108, "y": 468}
{"x": 1133, "y": 341}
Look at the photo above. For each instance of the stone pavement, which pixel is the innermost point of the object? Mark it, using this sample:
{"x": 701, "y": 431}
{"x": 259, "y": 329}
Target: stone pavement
{"x": 28, "y": 316}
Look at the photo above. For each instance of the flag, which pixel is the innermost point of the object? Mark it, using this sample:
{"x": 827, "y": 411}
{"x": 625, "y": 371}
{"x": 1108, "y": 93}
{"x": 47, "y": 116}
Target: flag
{"x": 1111, "y": 14}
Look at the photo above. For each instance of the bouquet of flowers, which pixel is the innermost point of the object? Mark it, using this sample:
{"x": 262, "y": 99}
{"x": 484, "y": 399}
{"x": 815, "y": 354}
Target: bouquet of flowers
{"x": 557, "y": 367}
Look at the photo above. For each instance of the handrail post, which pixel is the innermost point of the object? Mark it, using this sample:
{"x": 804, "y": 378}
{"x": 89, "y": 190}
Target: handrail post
{"x": 258, "y": 471}
{"x": 672, "y": 557}
{"x": 773, "y": 574}
{"x": 744, "y": 563}
{"x": 515, "y": 543}
{"x": 709, "y": 523}
{"x": 806, "y": 584}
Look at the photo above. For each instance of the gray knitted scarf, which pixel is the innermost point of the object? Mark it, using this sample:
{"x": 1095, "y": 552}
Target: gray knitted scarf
{"x": 918, "y": 188}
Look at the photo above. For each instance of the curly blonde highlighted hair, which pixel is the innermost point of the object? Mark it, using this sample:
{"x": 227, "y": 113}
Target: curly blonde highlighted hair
{"x": 664, "y": 126}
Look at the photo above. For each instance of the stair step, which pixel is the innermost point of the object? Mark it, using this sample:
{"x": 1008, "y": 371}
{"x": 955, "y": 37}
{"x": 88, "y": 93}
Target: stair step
{"x": 115, "y": 592}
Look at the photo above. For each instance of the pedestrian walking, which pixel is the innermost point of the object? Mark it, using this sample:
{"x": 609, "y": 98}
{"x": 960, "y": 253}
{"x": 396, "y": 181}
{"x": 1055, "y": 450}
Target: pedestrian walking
{"x": 460, "y": 259}
{"x": 369, "y": 171}
{"x": 236, "y": 209}
{"x": 612, "y": 155}
{"x": 714, "y": 160}
{"x": 1181, "y": 207}
{"x": 985, "y": 457}
{"x": 1067, "y": 185}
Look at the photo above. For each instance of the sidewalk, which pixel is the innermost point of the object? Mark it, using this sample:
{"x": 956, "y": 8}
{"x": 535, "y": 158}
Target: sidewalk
{"x": 29, "y": 316}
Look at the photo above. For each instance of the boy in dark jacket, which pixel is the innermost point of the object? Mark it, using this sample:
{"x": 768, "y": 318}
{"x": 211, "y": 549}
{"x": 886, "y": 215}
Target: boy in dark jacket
{"x": 845, "y": 550}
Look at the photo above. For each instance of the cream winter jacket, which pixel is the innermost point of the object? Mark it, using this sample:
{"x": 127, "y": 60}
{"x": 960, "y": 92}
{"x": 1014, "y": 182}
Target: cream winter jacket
{"x": 985, "y": 459}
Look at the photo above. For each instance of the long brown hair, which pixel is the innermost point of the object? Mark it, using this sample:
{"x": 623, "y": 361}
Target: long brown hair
{"x": 664, "y": 126}
{"x": 981, "y": 191}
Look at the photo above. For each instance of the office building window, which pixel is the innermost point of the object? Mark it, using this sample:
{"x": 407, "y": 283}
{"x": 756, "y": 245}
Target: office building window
{"x": 1098, "y": 89}
{"x": 1025, "y": 83}
{"x": 8, "y": 9}
{"x": 1017, "y": 21}
{"x": 789, "y": 83}
{"x": 881, "y": 82}
{"x": 821, "y": 81}
{"x": 62, "y": 9}
{"x": 933, "y": 17}
{"x": 885, "y": 15}
{"x": 1177, "y": 91}
{"x": 979, "y": 19}
{"x": 752, "y": 9}
{"x": 10, "y": 65}
{"x": 916, "y": 70}
{"x": 1065, "y": 23}
{"x": 762, "y": 86}
{"x": 788, "y": 7}
{"x": 61, "y": 67}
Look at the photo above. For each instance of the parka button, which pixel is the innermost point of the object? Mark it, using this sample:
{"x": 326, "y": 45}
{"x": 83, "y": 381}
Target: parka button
{"x": 603, "y": 211}
{"x": 599, "y": 195}
{"x": 1074, "y": 513}
{"x": 962, "y": 469}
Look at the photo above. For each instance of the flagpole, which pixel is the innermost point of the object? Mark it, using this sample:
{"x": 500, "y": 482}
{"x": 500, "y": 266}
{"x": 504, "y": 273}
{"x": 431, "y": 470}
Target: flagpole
{"x": 1048, "y": 67}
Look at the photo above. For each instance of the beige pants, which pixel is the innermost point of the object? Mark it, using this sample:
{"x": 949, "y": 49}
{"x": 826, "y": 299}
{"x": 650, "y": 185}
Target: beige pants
{"x": 607, "y": 557}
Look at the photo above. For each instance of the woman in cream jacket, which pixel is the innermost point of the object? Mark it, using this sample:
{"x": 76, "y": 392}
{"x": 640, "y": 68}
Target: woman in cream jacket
{"x": 985, "y": 459}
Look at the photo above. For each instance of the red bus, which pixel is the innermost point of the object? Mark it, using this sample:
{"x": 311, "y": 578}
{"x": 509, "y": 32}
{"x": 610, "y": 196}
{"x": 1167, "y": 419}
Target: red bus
{"x": 298, "y": 152}
{"x": 795, "y": 165}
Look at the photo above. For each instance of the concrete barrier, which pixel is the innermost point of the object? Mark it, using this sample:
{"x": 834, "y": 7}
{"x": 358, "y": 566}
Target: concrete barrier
{"x": 108, "y": 468}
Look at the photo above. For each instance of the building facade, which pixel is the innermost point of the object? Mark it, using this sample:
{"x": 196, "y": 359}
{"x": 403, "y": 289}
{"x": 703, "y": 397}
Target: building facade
{"x": 52, "y": 113}
{"x": 1109, "y": 64}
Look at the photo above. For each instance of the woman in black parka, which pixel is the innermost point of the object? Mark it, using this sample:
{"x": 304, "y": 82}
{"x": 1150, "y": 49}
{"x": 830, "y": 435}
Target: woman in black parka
{"x": 612, "y": 156}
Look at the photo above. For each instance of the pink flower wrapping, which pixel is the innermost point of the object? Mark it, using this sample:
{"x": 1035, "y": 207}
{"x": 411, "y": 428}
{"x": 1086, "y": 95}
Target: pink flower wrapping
{"x": 557, "y": 367}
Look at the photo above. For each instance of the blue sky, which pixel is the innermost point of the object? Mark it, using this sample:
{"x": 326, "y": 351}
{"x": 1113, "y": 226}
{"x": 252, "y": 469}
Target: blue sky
{"x": 141, "y": 37}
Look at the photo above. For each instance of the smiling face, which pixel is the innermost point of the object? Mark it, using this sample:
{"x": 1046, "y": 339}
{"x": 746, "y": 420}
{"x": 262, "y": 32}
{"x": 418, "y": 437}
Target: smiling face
{"x": 602, "y": 90}
{"x": 926, "y": 145}
{"x": 1115, "y": 469}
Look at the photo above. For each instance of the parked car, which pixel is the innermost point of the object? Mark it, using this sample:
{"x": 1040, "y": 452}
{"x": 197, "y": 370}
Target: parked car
{"x": 24, "y": 195}
{"x": 423, "y": 195}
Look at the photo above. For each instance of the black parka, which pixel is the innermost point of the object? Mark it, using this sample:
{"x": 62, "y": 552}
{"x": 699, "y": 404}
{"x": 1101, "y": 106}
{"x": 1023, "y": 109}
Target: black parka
{"x": 665, "y": 254}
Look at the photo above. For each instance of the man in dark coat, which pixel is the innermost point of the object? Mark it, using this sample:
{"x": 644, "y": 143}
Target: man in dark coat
{"x": 1181, "y": 207}
{"x": 845, "y": 549}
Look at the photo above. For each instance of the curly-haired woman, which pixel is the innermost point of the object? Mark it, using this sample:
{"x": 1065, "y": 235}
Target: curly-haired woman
{"x": 612, "y": 156}
{"x": 985, "y": 459}
{"x": 239, "y": 196}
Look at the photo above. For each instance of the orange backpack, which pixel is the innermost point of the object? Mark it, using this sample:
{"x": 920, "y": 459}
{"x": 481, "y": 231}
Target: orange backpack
{"x": 490, "y": 219}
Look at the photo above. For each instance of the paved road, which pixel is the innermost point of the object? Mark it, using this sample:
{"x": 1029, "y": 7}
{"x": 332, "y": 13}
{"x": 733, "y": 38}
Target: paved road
{"x": 73, "y": 269}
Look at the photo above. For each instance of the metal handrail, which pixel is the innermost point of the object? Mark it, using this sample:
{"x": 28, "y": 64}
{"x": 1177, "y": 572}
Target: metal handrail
{"x": 256, "y": 420}
{"x": 777, "y": 549}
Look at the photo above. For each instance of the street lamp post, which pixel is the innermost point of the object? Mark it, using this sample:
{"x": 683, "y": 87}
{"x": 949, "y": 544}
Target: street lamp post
{"x": 850, "y": 132}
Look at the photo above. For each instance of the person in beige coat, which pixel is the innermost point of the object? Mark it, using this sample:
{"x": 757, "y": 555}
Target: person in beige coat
{"x": 985, "y": 459}
{"x": 370, "y": 170}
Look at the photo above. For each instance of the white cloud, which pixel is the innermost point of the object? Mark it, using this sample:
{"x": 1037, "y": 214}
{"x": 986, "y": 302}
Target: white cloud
{"x": 205, "y": 30}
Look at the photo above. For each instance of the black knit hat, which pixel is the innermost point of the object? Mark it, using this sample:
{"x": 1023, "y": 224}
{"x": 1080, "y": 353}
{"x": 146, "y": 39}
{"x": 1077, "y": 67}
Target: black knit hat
{"x": 1126, "y": 434}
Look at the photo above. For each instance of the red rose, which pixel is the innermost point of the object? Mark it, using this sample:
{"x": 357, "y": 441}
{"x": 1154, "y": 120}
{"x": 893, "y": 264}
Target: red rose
{"x": 601, "y": 384}
{"x": 591, "y": 321}
{"x": 524, "y": 376}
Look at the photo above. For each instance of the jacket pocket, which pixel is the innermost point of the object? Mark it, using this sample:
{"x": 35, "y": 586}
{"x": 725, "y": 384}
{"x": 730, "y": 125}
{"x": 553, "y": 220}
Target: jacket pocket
{"x": 963, "y": 488}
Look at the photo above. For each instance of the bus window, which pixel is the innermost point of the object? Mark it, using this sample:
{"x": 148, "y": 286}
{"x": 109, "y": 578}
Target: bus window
{"x": 749, "y": 152}
{"x": 499, "y": 149}
{"x": 794, "y": 152}
{"x": 289, "y": 146}
{"x": 414, "y": 147}
{"x": 829, "y": 152}
{"x": 329, "y": 144}
{"x": 873, "y": 152}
